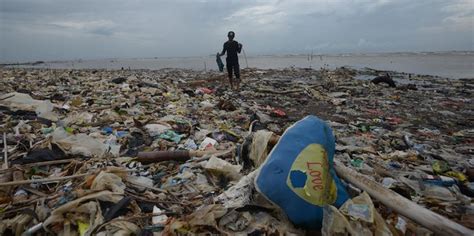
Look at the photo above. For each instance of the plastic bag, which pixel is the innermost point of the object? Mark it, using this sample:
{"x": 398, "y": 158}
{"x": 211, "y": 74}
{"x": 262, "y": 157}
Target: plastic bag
{"x": 82, "y": 144}
{"x": 156, "y": 129}
{"x": 108, "y": 181}
{"x": 60, "y": 214}
{"x": 239, "y": 194}
{"x": 220, "y": 166}
{"x": 259, "y": 151}
{"x": 359, "y": 208}
{"x": 170, "y": 135}
{"x": 45, "y": 110}
{"x": 158, "y": 219}
{"x": 335, "y": 223}
{"x": 207, "y": 143}
{"x": 83, "y": 118}
{"x": 20, "y": 101}
{"x": 220, "y": 64}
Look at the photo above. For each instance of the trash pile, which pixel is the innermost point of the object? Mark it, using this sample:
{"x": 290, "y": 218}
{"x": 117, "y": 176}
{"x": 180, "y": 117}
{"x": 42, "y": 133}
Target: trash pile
{"x": 175, "y": 152}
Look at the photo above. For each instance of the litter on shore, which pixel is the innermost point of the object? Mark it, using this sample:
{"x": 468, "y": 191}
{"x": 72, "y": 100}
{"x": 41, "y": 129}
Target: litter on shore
{"x": 175, "y": 152}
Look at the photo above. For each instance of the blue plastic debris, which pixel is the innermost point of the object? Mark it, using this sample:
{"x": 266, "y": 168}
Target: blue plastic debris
{"x": 107, "y": 130}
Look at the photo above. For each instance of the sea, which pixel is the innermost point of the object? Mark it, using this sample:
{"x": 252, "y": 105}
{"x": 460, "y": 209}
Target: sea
{"x": 453, "y": 65}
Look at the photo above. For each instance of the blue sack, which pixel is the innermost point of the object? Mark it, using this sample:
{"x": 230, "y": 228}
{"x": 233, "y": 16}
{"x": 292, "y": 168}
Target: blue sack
{"x": 298, "y": 174}
{"x": 220, "y": 64}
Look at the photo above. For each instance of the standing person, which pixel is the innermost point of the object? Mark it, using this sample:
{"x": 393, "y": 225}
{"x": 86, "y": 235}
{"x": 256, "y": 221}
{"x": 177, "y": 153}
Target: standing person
{"x": 232, "y": 47}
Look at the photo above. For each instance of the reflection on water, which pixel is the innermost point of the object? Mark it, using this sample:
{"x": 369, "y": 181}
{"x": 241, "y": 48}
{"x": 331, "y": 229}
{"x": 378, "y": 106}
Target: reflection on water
{"x": 451, "y": 65}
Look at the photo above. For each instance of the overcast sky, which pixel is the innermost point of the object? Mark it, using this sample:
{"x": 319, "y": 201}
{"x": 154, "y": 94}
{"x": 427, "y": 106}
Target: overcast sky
{"x": 72, "y": 29}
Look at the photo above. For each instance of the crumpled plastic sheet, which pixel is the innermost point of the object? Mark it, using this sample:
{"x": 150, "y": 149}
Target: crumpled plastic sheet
{"x": 83, "y": 205}
{"x": 259, "y": 148}
{"x": 20, "y": 101}
{"x": 219, "y": 166}
{"x": 108, "y": 181}
{"x": 82, "y": 144}
{"x": 239, "y": 194}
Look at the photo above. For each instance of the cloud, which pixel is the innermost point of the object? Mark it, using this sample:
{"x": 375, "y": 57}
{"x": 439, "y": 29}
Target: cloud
{"x": 56, "y": 29}
{"x": 263, "y": 15}
{"x": 99, "y": 27}
{"x": 282, "y": 15}
{"x": 461, "y": 16}
{"x": 455, "y": 17}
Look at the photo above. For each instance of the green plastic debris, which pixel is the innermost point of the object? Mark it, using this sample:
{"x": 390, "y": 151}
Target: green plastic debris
{"x": 458, "y": 175}
{"x": 357, "y": 163}
{"x": 69, "y": 130}
{"x": 47, "y": 130}
{"x": 82, "y": 227}
{"x": 170, "y": 135}
{"x": 440, "y": 167}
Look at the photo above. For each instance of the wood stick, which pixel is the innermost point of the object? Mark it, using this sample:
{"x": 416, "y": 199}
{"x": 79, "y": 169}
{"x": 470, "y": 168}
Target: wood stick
{"x": 156, "y": 201}
{"x": 47, "y": 163}
{"x": 431, "y": 220}
{"x": 148, "y": 187}
{"x": 279, "y": 92}
{"x": 7, "y": 97}
{"x": 34, "y": 191}
{"x": 262, "y": 90}
{"x": 159, "y": 156}
{"x": 130, "y": 218}
{"x": 5, "y": 150}
{"x": 33, "y": 181}
{"x": 43, "y": 163}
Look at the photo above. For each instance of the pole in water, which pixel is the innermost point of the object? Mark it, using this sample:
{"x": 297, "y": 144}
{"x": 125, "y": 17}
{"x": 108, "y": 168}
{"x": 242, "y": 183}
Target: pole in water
{"x": 245, "y": 56}
{"x": 205, "y": 66}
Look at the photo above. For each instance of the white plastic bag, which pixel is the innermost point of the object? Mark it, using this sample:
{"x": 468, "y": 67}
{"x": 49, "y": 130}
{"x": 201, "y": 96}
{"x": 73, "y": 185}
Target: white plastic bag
{"x": 220, "y": 166}
{"x": 82, "y": 144}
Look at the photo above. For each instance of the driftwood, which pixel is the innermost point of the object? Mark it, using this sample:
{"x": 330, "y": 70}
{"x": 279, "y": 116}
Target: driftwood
{"x": 182, "y": 156}
{"x": 43, "y": 163}
{"x": 431, "y": 220}
{"x": 279, "y": 92}
{"x": 269, "y": 90}
{"x": 33, "y": 181}
{"x": 5, "y": 150}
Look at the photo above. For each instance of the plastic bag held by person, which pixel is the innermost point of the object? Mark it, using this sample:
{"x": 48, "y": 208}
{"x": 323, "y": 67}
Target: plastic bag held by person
{"x": 298, "y": 174}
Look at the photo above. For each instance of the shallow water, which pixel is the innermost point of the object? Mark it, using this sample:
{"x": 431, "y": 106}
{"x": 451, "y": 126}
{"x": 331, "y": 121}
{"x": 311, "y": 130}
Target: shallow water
{"x": 450, "y": 65}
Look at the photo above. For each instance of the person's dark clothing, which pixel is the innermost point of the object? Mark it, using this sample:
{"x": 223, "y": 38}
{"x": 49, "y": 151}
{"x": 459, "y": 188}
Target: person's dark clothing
{"x": 232, "y": 59}
{"x": 232, "y": 48}
{"x": 233, "y": 67}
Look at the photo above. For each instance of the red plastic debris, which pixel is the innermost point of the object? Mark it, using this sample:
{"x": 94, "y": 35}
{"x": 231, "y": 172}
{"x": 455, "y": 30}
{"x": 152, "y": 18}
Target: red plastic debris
{"x": 278, "y": 112}
{"x": 394, "y": 120}
{"x": 206, "y": 90}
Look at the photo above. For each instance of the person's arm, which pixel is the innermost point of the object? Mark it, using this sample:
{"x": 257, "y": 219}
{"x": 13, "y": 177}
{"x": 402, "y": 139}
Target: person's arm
{"x": 239, "y": 48}
{"x": 223, "y": 50}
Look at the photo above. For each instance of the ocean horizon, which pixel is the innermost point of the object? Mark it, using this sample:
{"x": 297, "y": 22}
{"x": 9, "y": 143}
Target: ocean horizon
{"x": 451, "y": 64}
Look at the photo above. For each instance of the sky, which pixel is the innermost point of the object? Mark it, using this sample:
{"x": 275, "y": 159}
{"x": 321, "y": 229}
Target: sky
{"x": 90, "y": 29}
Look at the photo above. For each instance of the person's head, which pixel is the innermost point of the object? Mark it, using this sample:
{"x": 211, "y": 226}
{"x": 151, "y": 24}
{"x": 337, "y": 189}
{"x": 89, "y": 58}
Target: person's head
{"x": 231, "y": 35}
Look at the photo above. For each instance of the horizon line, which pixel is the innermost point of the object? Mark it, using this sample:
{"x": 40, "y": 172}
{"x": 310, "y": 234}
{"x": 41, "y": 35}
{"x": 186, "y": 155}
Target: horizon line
{"x": 11, "y": 62}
